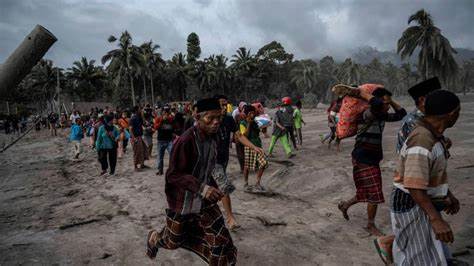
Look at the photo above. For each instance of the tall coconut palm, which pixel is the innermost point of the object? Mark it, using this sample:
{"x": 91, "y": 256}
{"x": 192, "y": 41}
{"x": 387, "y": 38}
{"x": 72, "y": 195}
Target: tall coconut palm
{"x": 223, "y": 74}
{"x": 304, "y": 76}
{"x": 44, "y": 81}
{"x": 124, "y": 61}
{"x": 153, "y": 62}
{"x": 204, "y": 73}
{"x": 177, "y": 74}
{"x": 243, "y": 60}
{"x": 87, "y": 78}
{"x": 348, "y": 72}
{"x": 243, "y": 64}
{"x": 436, "y": 54}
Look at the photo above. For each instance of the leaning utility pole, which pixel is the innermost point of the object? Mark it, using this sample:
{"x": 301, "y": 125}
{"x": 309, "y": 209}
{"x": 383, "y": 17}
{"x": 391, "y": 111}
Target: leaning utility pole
{"x": 24, "y": 58}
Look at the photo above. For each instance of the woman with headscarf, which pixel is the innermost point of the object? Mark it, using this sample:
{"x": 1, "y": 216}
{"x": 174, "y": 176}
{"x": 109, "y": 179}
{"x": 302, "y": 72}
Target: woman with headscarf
{"x": 106, "y": 145}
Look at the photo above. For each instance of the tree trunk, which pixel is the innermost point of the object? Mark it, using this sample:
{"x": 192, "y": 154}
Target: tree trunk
{"x": 133, "y": 90}
{"x": 152, "y": 89}
{"x": 24, "y": 58}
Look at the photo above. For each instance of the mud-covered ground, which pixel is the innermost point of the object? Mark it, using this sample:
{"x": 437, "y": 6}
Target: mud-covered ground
{"x": 54, "y": 210}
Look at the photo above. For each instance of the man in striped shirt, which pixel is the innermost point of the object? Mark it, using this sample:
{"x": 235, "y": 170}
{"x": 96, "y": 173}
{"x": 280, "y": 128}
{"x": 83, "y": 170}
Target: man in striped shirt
{"x": 421, "y": 187}
{"x": 368, "y": 152}
{"x": 418, "y": 92}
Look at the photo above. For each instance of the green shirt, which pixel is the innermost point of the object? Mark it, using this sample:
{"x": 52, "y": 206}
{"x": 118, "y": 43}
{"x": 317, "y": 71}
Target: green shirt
{"x": 298, "y": 118}
{"x": 254, "y": 132}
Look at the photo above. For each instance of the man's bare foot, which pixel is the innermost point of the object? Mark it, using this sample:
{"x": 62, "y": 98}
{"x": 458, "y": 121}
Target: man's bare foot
{"x": 232, "y": 224}
{"x": 342, "y": 206}
{"x": 373, "y": 230}
{"x": 151, "y": 244}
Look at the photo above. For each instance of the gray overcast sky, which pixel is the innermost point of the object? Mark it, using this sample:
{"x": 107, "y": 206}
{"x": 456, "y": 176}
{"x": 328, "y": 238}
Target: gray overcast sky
{"x": 309, "y": 29}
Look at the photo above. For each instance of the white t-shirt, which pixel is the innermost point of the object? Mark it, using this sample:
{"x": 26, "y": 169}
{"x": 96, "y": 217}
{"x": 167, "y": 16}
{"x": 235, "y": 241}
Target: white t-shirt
{"x": 73, "y": 118}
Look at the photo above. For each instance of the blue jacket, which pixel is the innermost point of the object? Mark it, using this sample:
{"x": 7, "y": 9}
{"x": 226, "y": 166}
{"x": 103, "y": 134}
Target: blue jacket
{"x": 104, "y": 141}
{"x": 76, "y": 133}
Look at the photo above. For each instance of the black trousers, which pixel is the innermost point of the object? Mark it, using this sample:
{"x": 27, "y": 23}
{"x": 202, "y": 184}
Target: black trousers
{"x": 112, "y": 159}
{"x": 239, "y": 147}
{"x": 125, "y": 144}
{"x": 291, "y": 131}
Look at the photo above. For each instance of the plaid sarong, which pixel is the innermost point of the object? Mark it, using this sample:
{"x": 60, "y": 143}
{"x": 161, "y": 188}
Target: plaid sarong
{"x": 140, "y": 152}
{"x": 254, "y": 160}
{"x": 368, "y": 181}
{"x": 204, "y": 234}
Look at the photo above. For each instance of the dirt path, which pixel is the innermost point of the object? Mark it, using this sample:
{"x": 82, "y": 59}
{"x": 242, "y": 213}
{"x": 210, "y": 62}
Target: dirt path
{"x": 57, "y": 211}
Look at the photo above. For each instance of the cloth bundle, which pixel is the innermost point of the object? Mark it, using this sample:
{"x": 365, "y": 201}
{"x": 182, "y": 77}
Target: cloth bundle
{"x": 263, "y": 121}
{"x": 350, "y": 110}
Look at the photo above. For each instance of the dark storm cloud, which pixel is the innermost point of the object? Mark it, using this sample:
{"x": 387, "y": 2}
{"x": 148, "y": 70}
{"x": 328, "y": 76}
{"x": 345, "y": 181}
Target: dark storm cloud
{"x": 82, "y": 28}
{"x": 306, "y": 28}
{"x": 317, "y": 28}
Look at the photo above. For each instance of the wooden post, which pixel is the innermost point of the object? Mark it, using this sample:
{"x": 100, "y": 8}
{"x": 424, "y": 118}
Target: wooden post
{"x": 24, "y": 58}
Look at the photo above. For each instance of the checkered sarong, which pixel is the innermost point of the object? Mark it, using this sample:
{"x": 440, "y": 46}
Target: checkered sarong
{"x": 204, "y": 234}
{"x": 368, "y": 181}
{"x": 254, "y": 160}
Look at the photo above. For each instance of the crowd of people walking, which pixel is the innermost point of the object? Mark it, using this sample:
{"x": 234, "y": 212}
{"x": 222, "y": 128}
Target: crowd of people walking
{"x": 198, "y": 138}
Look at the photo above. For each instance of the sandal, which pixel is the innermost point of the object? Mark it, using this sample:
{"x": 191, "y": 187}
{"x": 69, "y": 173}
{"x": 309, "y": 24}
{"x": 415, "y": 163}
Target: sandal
{"x": 384, "y": 255}
{"x": 151, "y": 251}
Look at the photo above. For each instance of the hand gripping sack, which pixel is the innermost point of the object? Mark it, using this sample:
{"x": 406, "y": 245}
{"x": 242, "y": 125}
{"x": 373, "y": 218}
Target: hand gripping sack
{"x": 350, "y": 111}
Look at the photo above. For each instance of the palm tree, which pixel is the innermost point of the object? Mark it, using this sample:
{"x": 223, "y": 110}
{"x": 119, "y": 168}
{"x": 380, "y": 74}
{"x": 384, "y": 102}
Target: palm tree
{"x": 436, "y": 54}
{"x": 152, "y": 63}
{"x": 177, "y": 74}
{"x": 43, "y": 80}
{"x": 124, "y": 61}
{"x": 348, "y": 72}
{"x": 87, "y": 78}
{"x": 244, "y": 63}
{"x": 304, "y": 76}
{"x": 223, "y": 74}
{"x": 205, "y": 74}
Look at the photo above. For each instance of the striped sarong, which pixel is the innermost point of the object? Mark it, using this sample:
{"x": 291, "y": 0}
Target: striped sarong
{"x": 254, "y": 160}
{"x": 368, "y": 182}
{"x": 415, "y": 241}
{"x": 140, "y": 152}
{"x": 204, "y": 234}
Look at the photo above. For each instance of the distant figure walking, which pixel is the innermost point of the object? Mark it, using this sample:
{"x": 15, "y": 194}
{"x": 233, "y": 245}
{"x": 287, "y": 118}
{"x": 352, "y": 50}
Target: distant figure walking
{"x": 140, "y": 153}
{"x": 106, "y": 145}
{"x": 76, "y": 136}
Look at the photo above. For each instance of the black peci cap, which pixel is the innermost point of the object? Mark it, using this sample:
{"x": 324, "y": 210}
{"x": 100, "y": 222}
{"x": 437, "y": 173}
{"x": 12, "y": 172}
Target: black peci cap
{"x": 424, "y": 87}
{"x": 208, "y": 104}
{"x": 441, "y": 102}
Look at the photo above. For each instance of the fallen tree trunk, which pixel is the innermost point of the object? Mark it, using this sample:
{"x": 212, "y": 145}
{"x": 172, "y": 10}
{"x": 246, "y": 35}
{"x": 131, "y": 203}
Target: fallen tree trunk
{"x": 24, "y": 58}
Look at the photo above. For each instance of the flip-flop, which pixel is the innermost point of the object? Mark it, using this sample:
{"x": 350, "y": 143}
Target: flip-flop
{"x": 151, "y": 251}
{"x": 384, "y": 256}
{"x": 344, "y": 212}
